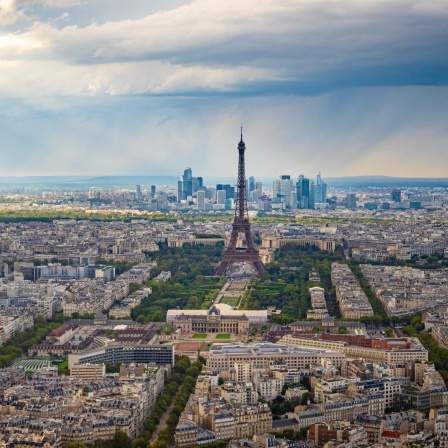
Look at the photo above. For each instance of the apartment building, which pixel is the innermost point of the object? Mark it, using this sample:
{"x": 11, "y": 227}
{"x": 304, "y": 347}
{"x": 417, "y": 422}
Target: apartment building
{"x": 261, "y": 355}
{"x": 397, "y": 356}
{"x": 352, "y": 300}
{"x": 314, "y": 343}
{"x": 88, "y": 372}
{"x": 318, "y": 304}
{"x": 323, "y": 388}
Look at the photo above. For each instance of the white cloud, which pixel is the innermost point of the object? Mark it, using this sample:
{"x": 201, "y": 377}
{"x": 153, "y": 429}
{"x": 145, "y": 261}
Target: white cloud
{"x": 12, "y": 11}
{"x": 54, "y": 79}
{"x": 8, "y": 13}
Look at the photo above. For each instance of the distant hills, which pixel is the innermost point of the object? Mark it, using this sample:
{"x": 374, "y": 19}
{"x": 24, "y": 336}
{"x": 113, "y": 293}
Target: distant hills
{"x": 85, "y": 182}
{"x": 133, "y": 180}
{"x": 386, "y": 181}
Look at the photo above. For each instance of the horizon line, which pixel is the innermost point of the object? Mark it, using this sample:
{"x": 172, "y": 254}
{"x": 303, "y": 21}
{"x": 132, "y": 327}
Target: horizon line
{"x": 93, "y": 176}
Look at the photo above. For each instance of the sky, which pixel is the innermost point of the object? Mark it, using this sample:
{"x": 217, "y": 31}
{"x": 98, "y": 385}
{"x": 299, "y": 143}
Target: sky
{"x": 149, "y": 87}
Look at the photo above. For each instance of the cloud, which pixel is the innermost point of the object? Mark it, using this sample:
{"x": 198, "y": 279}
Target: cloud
{"x": 301, "y": 47}
{"x": 342, "y": 86}
{"x": 8, "y": 13}
{"x": 12, "y": 11}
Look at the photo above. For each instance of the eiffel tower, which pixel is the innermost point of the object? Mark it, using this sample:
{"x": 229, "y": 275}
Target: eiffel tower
{"x": 241, "y": 224}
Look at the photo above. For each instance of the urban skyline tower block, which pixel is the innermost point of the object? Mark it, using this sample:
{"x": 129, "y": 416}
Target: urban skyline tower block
{"x": 241, "y": 225}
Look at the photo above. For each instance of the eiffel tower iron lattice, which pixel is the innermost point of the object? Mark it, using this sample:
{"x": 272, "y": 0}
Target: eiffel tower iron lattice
{"x": 241, "y": 225}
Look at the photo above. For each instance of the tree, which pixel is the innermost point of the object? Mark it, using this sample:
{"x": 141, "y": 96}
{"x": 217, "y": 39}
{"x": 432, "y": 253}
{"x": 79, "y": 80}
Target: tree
{"x": 305, "y": 398}
{"x": 160, "y": 444}
{"x": 76, "y": 445}
{"x": 193, "y": 303}
{"x": 134, "y": 287}
{"x": 121, "y": 440}
{"x": 220, "y": 381}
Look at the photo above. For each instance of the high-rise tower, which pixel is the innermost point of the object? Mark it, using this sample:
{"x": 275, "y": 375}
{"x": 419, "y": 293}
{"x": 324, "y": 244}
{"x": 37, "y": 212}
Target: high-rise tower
{"x": 241, "y": 224}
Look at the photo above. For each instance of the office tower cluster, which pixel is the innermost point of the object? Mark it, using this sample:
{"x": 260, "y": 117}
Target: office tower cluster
{"x": 188, "y": 185}
{"x": 304, "y": 194}
{"x": 254, "y": 190}
{"x": 287, "y": 194}
{"x": 139, "y": 196}
{"x": 191, "y": 190}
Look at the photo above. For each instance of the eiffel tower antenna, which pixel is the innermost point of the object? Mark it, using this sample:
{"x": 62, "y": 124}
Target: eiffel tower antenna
{"x": 241, "y": 224}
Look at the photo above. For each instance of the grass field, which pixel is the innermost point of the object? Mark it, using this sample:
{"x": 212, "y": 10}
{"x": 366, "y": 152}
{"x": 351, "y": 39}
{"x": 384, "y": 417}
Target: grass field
{"x": 223, "y": 336}
{"x": 63, "y": 364}
{"x": 199, "y": 336}
{"x": 63, "y": 367}
{"x": 232, "y": 301}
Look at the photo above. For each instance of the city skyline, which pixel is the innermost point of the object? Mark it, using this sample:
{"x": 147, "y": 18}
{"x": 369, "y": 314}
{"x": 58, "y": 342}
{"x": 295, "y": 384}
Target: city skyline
{"x": 168, "y": 84}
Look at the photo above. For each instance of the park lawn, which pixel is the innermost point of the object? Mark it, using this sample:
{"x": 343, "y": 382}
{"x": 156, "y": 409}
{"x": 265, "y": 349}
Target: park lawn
{"x": 199, "y": 336}
{"x": 63, "y": 367}
{"x": 232, "y": 301}
{"x": 223, "y": 336}
{"x": 63, "y": 364}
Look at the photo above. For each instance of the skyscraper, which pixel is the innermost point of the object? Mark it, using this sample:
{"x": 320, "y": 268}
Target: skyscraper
{"x": 180, "y": 191}
{"x": 251, "y": 183}
{"x": 230, "y": 191}
{"x": 293, "y": 199}
{"x": 282, "y": 189}
{"x": 210, "y": 193}
{"x": 221, "y": 197}
{"x": 138, "y": 193}
{"x": 395, "y": 195}
{"x": 303, "y": 192}
{"x": 321, "y": 190}
{"x": 187, "y": 183}
{"x": 257, "y": 192}
{"x": 312, "y": 194}
{"x": 201, "y": 200}
{"x": 254, "y": 195}
{"x": 351, "y": 201}
{"x": 153, "y": 191}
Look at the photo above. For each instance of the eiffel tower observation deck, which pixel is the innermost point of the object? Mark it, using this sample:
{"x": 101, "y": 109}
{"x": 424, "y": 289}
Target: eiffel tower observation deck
{"x": 241, "y": 225}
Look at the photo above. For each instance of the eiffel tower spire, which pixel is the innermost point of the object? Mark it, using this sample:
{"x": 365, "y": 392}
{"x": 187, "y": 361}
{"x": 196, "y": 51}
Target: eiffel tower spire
{"x": 241, "y": 224}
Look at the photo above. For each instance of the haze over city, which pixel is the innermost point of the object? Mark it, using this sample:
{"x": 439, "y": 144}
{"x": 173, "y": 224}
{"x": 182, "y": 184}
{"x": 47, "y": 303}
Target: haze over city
{"x": 346, "y": 88}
